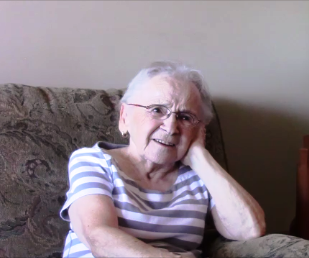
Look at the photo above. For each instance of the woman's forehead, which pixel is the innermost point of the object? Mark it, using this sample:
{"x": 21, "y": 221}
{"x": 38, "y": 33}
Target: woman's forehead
{"x": 169, "y": 91}
{"x": 161, "y": 88}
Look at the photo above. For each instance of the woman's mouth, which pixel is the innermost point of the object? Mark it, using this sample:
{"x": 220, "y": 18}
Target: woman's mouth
{"x": 164, "y": 143}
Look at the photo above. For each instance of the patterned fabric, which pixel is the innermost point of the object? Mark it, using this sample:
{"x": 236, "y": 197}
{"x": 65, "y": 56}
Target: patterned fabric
{"x": 275, "y": 245}
{"x": 174, "y": 219}
{"x": 39, "y": 129}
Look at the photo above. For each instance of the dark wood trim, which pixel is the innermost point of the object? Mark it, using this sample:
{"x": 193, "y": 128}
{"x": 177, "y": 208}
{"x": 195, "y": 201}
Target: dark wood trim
{"x": 302, "y": 192}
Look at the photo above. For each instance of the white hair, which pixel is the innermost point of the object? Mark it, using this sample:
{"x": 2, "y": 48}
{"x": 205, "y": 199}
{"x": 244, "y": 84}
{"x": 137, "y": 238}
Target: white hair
{"x": 173, "y": 70}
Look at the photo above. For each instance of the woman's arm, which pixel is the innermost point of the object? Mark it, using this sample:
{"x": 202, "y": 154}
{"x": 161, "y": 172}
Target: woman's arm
{"x": 95, "y": 222}
{"x": 237, "y": 215}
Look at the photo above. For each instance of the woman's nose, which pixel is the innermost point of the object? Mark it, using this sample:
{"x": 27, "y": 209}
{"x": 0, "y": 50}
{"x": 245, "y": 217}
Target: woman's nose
{"x": 170, "y": 124}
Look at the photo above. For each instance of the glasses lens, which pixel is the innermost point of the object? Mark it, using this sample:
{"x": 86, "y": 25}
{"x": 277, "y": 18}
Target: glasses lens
{"x": 186, "y": 119}
{"x": 158, "y": 112}
{"x": 161, "y": 112}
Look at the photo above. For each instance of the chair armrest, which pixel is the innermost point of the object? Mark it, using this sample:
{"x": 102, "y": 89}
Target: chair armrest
{"x": 273, "y": 245}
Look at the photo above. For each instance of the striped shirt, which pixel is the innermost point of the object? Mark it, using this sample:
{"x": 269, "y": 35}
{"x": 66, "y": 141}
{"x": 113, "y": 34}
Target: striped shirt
{"x": 174, "y": 219}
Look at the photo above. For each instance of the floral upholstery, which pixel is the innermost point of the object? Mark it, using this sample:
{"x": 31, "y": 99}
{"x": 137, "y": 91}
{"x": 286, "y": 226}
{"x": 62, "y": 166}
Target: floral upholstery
{"x": 275, "y": 245}
{"x": 39, "y": 128}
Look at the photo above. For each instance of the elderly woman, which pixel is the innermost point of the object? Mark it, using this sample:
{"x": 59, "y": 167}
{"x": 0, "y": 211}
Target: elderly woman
{"x": 150, "y": 198}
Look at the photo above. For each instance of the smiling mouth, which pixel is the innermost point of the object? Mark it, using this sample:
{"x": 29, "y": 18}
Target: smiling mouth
{"x": 164, "y": 143}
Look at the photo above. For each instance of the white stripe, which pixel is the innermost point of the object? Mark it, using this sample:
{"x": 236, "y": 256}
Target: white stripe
{"x": 68, "y": 239}
{"x": 89, "y": 159}
{"x": 158, "y": 220}
{"x": 106, "y": 156}
{"x": 185, "y": 176}
{"x": 65, "y": 253}
{"x": 176, "y": 205}
{"x": 196, "y": 197}
{"x": 82, "y": 169}
{"x": 74, "y": 249}
{"x": 73, "y": 235}
{"x": 89, "y": 179}
{"x": 86, "y": 151}
{"x": 113, "y": 168}
{"x": 154, "y": 197}
{"x": 118, "y": 182}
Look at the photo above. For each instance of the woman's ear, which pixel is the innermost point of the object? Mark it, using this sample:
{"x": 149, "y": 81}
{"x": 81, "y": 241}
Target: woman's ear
{"x": 123, "y": 123}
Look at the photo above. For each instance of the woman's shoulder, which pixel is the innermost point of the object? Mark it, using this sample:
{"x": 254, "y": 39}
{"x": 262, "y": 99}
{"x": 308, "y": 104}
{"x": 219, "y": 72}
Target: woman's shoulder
{"x": 188, "y": 175}
{"x": 101, "y": 150}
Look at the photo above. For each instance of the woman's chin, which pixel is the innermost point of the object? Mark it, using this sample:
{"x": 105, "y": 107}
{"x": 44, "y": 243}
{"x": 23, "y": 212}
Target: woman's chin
{"x": 159, "y": 154}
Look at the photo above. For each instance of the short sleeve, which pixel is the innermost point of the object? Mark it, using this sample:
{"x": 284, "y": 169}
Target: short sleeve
{"x": 89, "y": 173}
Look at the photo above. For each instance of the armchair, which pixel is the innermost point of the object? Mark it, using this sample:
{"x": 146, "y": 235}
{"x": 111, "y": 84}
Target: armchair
{"x": 39, "y": 128}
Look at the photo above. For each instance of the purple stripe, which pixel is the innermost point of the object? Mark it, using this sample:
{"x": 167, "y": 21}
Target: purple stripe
{"x": 161, "y": 213}
{"x": 183, "y": 229}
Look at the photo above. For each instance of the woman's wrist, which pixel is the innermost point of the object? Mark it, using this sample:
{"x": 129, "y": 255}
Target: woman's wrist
{"x": 198, "y": 157}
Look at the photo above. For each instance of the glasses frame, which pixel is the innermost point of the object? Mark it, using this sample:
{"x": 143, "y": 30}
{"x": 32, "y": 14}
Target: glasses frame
{"x": 169, "y": 112}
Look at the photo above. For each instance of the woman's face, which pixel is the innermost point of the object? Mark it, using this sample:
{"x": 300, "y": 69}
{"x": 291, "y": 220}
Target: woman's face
{"x": 161, "y": 141}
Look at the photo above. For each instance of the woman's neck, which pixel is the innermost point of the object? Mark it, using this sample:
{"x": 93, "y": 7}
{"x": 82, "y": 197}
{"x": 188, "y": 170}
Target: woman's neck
{"x": 141, "y": 168}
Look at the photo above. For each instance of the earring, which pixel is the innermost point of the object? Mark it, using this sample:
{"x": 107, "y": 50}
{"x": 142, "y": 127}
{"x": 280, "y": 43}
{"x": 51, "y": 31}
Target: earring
{"x": 124, "y": 134}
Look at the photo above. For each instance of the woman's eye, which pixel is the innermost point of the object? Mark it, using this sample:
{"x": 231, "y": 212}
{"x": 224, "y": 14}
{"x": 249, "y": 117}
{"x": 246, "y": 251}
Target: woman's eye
{"x": 156, "y": 110}
{"x": 184, "y": 117}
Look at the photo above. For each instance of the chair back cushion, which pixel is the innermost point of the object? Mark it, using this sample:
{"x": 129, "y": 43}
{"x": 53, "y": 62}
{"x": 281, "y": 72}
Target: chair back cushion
{"x": 39, "y": 128}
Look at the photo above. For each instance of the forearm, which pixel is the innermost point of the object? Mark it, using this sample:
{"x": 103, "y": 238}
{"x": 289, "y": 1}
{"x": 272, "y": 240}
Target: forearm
{"x": 113, "y": 242}
{"x": 238, "y": 213}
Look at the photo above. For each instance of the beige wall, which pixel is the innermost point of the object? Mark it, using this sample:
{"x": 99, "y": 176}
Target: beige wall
{"x": 255, "y": 56}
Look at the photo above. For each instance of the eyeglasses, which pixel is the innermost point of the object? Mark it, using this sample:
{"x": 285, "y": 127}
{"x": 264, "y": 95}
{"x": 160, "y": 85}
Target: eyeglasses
{"x": 161, "y": 112}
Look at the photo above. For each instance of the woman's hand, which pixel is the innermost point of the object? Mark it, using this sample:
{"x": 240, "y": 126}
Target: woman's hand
{"x": 198, "y": 144}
